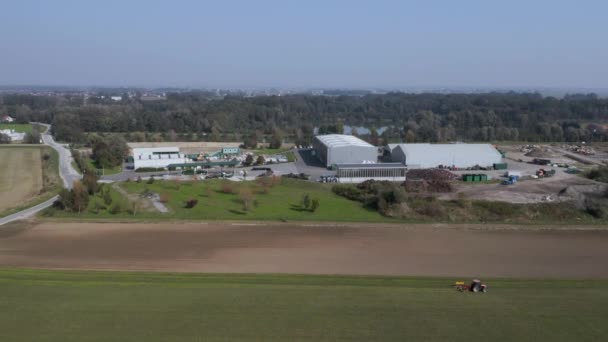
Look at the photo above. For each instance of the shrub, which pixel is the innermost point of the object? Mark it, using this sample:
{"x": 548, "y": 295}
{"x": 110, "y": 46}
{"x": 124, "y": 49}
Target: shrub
{"x": 151, "y": 180}
{"x": 116, "y": 208}
{"x": 314, "y": 205}
{"x": 348, "y": 191}
{"x": 138, "y": 179}
{"x": 306, "y": 201}
{"x": 191, "y": 203}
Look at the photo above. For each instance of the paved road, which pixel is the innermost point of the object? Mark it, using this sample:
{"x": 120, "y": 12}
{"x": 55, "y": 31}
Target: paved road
{"x": 66, "y": 172}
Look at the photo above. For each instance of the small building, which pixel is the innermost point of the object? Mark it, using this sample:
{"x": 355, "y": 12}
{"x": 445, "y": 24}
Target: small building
{"x": 12, "y": 134}
{"x": 424, "y": 156}
{"x": 157, "y": 157}
{"x": 116, "y": 98}
{"x": 343, "y": 149}
{"x": 357, "y": 173}
{"x": 230, "y": 151}
{"x": 7, "y": 119}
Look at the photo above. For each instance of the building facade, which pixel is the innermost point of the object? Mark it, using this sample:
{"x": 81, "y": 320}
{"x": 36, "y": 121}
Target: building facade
{"x": 357, "y": 173}
{"x": 343, "y": 149}
{"x": 157, "y": 157}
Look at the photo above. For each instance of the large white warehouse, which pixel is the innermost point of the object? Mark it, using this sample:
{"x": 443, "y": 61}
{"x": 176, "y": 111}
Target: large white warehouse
{"x": 343, "y": 149}
{"x": 425, "y": 156}
{"x": 157, "y": 157}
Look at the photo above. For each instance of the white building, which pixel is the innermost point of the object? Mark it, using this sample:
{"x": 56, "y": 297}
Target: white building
{"x": 343, "y": 149}
{"x": 15, "y": 136}
{"x": 7, "y": 119}
{"x": 423, "y": 156}
{"x": 116, "y": 98}
{"x": 157, "y": 157}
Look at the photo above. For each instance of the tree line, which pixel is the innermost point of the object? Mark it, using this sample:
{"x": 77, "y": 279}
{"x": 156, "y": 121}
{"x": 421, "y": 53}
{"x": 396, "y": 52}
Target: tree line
{"x": 406, "y": 117}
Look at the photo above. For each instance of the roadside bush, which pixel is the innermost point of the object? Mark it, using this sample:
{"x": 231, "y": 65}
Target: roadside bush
{"x": 349, "y": 191}
{"x": 191, "y": 203}
{"x": 151, "y": 180}
{"x": 599, "y": 174}
{"x": 116, "y": 208}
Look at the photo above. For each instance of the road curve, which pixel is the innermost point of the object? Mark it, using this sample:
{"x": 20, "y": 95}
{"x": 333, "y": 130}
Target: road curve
{"x": 67, "y": 173}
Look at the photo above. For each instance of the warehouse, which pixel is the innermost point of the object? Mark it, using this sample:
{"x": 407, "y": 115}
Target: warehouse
{"x": 157, "y": 157}
{"x": 343, "y": 149}
{"x": 425, "y": 156}
{"x": 357, "y": 173}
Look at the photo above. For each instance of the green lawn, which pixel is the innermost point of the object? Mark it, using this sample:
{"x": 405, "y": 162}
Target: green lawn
{"x": 280, "y": 202}
{"x": 37, "y": 305}
{"x": 25, "y": 128}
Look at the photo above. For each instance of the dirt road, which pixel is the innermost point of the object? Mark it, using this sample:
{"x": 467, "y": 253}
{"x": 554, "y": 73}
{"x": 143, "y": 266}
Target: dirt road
{"x": 429, "y": 250}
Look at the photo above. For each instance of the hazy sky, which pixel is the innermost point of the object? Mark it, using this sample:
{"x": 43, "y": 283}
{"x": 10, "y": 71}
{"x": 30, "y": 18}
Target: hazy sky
{"x": 310, "y": 43}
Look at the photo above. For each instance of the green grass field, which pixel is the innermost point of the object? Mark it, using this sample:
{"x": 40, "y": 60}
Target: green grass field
{"x": 38, "y": 305}
{"x": 281, "y": 202}
{"x": 25, "y": 128}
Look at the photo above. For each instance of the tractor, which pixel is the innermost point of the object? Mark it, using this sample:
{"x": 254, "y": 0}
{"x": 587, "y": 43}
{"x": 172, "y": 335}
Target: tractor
{"x": 476, "y": 286}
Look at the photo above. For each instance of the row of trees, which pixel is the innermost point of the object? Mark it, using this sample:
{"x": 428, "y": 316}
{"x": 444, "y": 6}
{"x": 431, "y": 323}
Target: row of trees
{"x": 408, "y": 117}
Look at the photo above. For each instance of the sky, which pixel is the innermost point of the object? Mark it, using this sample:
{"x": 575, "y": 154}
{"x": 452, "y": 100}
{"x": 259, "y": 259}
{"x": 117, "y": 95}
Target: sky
{"x": 307, "y": 43}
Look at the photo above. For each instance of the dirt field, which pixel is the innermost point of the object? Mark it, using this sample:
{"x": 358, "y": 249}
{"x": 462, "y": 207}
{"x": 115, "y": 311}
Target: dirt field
{"x": 20, "y": 175}
{"x": 430, "y": 250}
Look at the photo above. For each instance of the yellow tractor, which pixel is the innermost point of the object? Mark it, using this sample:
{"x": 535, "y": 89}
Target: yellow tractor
{"x": 476, "y": 286}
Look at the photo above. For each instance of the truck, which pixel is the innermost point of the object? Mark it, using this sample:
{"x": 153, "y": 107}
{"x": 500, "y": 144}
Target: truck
{"x": 539, "y": 161}
{"x": 542, "y": 173}
{"x": 510, "y": 180}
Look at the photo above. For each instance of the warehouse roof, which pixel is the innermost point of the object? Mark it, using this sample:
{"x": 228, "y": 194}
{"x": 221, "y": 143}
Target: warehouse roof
{"x": 432, "y": 155}
{"x": 339, "y": 140}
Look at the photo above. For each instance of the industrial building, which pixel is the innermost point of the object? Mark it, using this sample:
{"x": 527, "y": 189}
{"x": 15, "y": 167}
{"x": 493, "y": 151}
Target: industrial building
{"x": 423, "y": 156}
{"x": 157, "y": 157}
{"x": 343, "y": 149}
{"x": 357, "y": 173}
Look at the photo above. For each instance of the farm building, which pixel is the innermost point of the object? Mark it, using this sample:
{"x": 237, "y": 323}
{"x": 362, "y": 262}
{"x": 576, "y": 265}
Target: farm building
{"x": 157, "y": 157}
{"x": 425, "y": 156}
{"x": 7, "y": 119}
{"x": 357, "y": 173}
{"x": 343, "y": 149}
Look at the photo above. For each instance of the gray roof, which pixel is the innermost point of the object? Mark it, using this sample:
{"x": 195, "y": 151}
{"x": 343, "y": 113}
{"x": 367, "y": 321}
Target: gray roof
{"x": 460, "y": 155}
{"x": 339, "y": 140}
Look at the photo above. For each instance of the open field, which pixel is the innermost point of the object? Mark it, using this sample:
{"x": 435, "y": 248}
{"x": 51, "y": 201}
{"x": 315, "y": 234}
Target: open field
{"x": 24, "y": 128}
{"x": 421, "y": 250}
{"x": 65, "y": 306}
{"x": 25, "y": 178}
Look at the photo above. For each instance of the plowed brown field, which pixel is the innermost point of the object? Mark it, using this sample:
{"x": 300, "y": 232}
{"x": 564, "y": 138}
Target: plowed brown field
{"x": 429, "y": 250}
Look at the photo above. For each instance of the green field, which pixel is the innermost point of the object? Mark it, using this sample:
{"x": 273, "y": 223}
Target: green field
{"x": 25, "y": 128}
{"x": 279, "y": 202}
{"x": 64, "y": 306}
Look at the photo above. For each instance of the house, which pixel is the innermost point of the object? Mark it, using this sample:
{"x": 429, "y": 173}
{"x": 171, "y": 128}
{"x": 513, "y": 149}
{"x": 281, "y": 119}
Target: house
{"x": 7, "y": 119}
